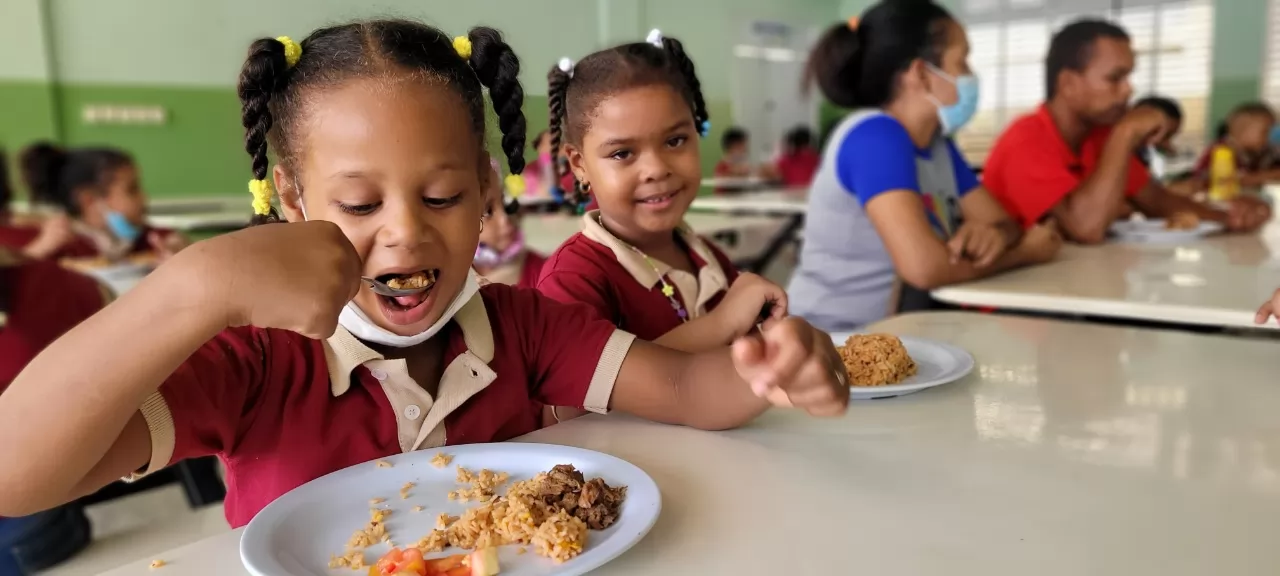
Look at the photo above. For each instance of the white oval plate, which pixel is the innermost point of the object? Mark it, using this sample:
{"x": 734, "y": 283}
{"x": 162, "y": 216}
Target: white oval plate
{"x": 937, "y": 363}
{"x": 295, "y": 535}
{"x": 1154, "y": 231}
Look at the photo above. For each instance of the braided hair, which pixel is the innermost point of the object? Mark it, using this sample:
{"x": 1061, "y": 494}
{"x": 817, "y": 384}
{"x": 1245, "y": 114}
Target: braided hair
{"x": 575, "y": 94}
{"x": 272, "y": 89}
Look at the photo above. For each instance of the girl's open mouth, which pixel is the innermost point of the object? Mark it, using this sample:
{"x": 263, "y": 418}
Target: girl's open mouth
{"x": 422, "y": 281}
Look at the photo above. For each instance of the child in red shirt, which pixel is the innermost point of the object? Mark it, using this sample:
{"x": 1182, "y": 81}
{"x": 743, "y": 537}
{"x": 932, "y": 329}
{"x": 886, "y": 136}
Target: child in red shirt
{"x": 501, "y": 256}
{"x": 630, "y": 117}
{"x": 1247, "y": 133}
{"x": 100, "y": 190}
{"x": 266, "y": 348}
{"x": 799, "y": 161}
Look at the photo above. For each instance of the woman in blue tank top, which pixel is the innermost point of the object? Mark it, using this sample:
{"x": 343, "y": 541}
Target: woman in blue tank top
{"x": 894, "y": 203}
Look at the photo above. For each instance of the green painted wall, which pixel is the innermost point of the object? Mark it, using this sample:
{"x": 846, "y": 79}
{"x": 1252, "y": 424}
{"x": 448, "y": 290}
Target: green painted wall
{"x": 1239, "y": 32}
{"x": 184, "y": 55}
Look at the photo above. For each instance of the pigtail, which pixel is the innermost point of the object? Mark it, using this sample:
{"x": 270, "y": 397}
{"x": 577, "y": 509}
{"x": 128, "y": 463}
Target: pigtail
{"x": 557, "y": 92}
{"x": 262, "y": 77}
{"x": 684, "y": 65}
{"x": 498, "y": 69}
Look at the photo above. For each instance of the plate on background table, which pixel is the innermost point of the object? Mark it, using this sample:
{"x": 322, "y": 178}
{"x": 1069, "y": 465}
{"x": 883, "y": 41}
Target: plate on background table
{"x": 296, "y": 534}
{"x": 1153, "y": 230}
{"x": 937, "y": 363}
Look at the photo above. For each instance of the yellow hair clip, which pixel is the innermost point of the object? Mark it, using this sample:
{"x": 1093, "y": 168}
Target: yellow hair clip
{"x": 292, "y": 50}
{"x": 261, "y": 190}
{"x": 462, "y": 45}
{"x": 515, "y": 184}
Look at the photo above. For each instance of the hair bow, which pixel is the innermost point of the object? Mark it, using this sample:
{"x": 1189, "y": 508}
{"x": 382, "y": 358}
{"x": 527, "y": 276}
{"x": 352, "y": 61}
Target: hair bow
{"x": 566, "y": 66}
{"x": 654, "y": 37}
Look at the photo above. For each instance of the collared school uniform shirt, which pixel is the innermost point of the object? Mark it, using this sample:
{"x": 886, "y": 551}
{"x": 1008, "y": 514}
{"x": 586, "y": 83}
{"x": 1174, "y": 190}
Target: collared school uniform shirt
{"x": 281, "y": 409}
{"x": 1031, "y": 169}
{"x": 41, "y": 301}
{"x": 597, "y": 268}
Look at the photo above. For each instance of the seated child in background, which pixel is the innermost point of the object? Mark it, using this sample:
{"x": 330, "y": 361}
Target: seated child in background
{"x": 1247, "y": 133}
{"x": 735, "y": 159}
{"x": 501, "y": 256}
{"x": 798, "y": 162}
{"x": 539, "y": 176}
{"x": 100, "y": 191}
{"x": 1172, "y": 113}
{"x": 39, "y": 301}
{"x": 271, "y": 353}
{"x": 630, "y": 117}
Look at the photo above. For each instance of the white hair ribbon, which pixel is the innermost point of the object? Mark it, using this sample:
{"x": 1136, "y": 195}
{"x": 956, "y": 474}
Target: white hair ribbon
{"x": 655, "y": 37}
{"x": 566, "y": 66}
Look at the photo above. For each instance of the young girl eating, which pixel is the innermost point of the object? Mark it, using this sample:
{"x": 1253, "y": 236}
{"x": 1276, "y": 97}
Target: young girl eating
{"x": 501, "y": 255}
{"x": 630, "y": 118}
{"x": 266, "y": 347}
{"x": 100, "y": 191}
{"x": 895, "y": 211}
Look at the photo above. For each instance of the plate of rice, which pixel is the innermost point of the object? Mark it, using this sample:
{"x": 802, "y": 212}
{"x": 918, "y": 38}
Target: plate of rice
{"x": 545, "y": 509}
{"x": 1183, "y": 227}
{"x": 885, "y": 366}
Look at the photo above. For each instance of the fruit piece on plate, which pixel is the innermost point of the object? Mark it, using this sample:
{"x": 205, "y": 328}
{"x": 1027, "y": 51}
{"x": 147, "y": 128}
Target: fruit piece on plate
{"x": 409, "y": 562}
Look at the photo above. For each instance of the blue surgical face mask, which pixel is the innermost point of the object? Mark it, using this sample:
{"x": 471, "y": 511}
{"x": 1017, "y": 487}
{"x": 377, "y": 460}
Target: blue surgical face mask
{"x": 955, "y": 116}
{"x": 121, "y": 227}
{"x": 1275, "y": 135}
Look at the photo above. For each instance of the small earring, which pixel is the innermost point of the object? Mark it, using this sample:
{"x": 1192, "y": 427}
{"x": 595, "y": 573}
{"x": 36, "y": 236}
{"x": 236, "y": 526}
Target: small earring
{"x": 482, "y": 223}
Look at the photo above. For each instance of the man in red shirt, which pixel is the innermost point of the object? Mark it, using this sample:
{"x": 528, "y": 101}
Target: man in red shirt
{"x": 1073, "y": 160}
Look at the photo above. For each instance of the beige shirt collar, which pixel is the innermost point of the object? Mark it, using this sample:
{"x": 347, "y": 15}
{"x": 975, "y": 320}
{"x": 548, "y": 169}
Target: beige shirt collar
{"x": 711, "y": 279}
{"x": 344, "y": 353}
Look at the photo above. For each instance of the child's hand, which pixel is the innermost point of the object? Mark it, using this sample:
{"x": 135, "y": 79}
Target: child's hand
{"x": 981, "y": 243}
{"x": 294, "y": 276}
{"x": 1041, "y": 243}
{"x": 166, "y": 245}
{"x": 1268, "y": 310}
{"x": 740, "y": 309}
{"x": 794, "y": 364}
{"x": 1246, "y": 214}
{"x": 55, "y": 233}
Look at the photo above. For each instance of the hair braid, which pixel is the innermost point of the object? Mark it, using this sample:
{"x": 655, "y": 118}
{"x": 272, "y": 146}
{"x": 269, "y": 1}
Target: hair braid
{"x": 260, "y": 79}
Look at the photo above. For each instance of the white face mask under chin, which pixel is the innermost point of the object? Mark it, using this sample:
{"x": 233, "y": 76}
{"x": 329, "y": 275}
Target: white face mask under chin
{"x": 354, "y": 320}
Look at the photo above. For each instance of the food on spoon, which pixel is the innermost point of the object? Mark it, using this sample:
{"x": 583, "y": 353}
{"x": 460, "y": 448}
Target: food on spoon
{"x": 876, "y": 360}
{"x": 417, "y": 280}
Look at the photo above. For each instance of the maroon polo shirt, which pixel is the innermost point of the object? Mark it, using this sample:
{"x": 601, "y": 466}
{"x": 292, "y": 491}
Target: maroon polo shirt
{"x": 596, "y": 268}
{"x": 41, "y": 301}
{"x": 281, "y": 409}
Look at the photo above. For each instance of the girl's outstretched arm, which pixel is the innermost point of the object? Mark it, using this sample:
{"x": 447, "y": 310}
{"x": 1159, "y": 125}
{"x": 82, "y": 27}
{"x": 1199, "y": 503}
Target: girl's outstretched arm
{"x": 70, "y": 422}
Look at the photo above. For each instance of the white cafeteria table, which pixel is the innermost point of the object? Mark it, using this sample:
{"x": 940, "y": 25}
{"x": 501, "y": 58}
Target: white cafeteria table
{"x": 1217, "y": 281}
{"x": 1072, "y": 449}
{"x": 788, "y": 204}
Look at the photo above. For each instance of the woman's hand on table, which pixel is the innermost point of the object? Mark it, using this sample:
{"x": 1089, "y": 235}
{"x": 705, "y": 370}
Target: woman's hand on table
{"x": 794, "y": 364}
{"x": 981, "y": 243}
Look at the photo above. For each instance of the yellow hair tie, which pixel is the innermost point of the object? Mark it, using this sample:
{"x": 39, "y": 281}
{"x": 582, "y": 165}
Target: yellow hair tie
{"x": 292, "y": 50}
{"x": 261, "y": 190}
{"x": 462, "y": 45}
{"x": 515, "y": 184}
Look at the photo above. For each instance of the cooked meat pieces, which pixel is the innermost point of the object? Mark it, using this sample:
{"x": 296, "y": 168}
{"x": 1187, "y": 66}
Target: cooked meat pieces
{"x": 594, "y": 502}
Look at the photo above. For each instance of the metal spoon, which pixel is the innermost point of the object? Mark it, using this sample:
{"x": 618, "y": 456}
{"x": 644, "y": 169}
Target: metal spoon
{"x": 380, "y": 288}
